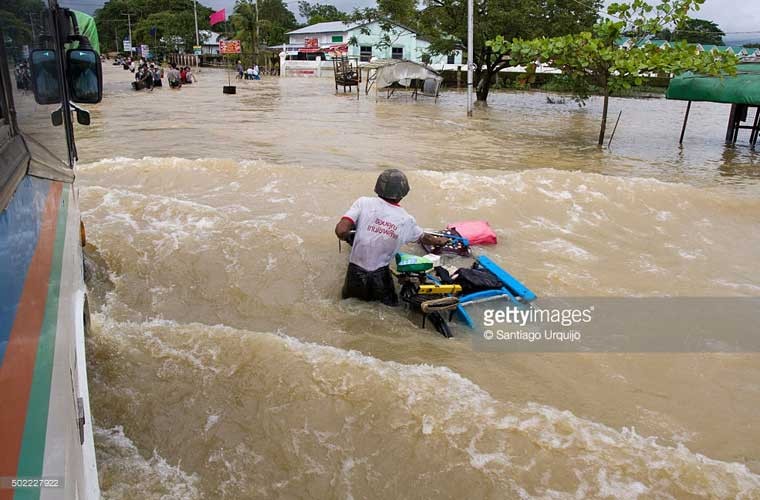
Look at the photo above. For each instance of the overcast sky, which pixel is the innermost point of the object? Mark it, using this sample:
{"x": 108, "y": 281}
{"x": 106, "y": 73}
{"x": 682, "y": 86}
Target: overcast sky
{"x": 731, "y": 15}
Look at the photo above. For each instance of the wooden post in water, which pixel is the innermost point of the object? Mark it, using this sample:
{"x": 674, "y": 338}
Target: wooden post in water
{"x": 614, "y": 128}
{"x": 731, "y": 124}
{"x": 738, "y": 115}
{"x": 755, "y": 130}
{"x": 685, "y": 119}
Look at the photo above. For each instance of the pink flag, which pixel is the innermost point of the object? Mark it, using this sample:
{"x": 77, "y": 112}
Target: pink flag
{"x": 217, "y": 17}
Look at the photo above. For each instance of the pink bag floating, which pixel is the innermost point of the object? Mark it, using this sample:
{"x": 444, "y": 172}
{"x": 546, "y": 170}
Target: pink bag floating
{"x": 478, "y": 232}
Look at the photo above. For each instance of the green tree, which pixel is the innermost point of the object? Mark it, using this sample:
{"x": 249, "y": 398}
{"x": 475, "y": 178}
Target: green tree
{"x": 17, "y": 17}
{"x": 245, "y": 22}
{"x": 320, "y": 13}
{"x": 444, "y": 23}
{"x": 176, "y": 29}
{"x": 665, "y": 34}
{"x": 593, "y": 58}
{"x": 265, "y": 26}
{"x": 276, "y": 20}
{"x": 112, "y": 23}
{"x": 699, "y": 31}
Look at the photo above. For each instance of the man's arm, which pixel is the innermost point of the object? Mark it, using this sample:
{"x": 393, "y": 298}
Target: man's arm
{"x": 344, "y": 227}
{"x": 347, "y": 223}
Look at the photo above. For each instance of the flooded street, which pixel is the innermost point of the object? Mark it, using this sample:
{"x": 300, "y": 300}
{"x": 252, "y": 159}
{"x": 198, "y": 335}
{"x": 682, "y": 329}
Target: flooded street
{"x": 223, "y": 363}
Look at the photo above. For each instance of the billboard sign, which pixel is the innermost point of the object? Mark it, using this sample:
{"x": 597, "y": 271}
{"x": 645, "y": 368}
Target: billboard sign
{"x": 229, "y": 46}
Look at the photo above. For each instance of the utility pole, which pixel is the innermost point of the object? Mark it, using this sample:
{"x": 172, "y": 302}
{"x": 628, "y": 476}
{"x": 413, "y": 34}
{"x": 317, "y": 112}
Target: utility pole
{"x": 195, "y": 15}
{"x": 470, "y": 54}
{"x": 31, "y": 22}
{"x": 129, "y": 24}
{"x": 256, "y": 48}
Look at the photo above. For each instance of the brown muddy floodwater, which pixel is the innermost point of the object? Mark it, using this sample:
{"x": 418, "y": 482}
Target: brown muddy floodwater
{"x": 224, "y": 365}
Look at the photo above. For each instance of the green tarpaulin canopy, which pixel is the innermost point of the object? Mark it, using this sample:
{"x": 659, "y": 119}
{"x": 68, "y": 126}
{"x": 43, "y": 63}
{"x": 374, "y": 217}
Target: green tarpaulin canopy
{"x": 744, "y": 88}
{"x": 88, "y": 28}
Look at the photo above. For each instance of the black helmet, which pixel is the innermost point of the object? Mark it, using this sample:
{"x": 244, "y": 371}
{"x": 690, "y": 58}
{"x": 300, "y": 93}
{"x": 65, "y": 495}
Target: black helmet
{"x": 392, "y": 184}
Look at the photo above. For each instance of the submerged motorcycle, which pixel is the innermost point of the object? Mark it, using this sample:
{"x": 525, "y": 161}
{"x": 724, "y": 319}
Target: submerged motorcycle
{"x": 440, "y": 295}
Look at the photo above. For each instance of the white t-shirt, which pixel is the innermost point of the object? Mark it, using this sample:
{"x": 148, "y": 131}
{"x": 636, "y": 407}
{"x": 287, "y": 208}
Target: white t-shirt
{"x": 381, "y": 229}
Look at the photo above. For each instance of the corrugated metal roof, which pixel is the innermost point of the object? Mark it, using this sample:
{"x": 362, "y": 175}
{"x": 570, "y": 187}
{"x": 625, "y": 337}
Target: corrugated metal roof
{"x": 328, "y": 27}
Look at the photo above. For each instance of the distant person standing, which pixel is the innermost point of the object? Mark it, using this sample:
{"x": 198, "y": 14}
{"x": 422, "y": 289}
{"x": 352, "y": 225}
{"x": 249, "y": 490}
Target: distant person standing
{"x": 239, "y": 69}
{"x": 173, "y": 77}
{"x": 189, "y": 76}
{"x": 158, "y": 73}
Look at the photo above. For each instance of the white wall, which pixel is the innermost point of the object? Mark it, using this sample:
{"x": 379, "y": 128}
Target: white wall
{"x": 413, "y": 48}
{"x": 399, "y": 37}
{"x": 437, "y": 60}
{"x": 324, "y": 38}
{"x": 292, "y": 68}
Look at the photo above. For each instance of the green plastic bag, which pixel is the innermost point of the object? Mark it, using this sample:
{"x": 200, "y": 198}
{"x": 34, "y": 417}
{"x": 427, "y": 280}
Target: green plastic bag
{"x": 408, "y": 263}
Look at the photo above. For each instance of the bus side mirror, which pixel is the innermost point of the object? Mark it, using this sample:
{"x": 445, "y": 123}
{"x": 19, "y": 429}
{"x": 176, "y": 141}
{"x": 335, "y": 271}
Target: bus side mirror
{"x": 85, "y": 74}
{"x": 45, "y": 82}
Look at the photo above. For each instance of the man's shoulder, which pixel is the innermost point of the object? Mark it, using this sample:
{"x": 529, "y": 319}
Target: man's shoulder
{"x": 364, "y": 200}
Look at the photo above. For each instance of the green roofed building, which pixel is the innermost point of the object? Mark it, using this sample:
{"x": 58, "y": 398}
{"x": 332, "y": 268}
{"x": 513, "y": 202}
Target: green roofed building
{"x": 625, "y": 42}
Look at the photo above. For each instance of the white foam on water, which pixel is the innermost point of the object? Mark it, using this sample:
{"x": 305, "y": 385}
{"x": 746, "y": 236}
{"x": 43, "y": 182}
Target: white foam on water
{"x": 549, "y": 428}
{"x": 439, "y": 403}
{"x": 491, "y": 436}
{"x": 565, "y": 248}
{"x": 427, "y": 424}
{"x": 271, "y": 187}
{"x": 210, "y": 422}
{"x": 749, "y": 288}
{"x": 126, "y": 474}
{"x": 556, "y": 195}
{"x": 117, "y": 162}
{"x": 690, "y": 255}
{"x": 663, "y": 215}
{"x": 285, "y": 199}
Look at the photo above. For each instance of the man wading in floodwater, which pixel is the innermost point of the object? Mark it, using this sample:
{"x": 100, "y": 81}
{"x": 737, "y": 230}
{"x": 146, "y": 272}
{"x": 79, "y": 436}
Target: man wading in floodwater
{"x": 382, "y": 227}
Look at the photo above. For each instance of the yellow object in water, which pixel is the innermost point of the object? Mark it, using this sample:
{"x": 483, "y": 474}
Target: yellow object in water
{"x": 434, "y": 289}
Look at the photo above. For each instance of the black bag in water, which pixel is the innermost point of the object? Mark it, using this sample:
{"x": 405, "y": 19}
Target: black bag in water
{"x": 443, "y": 275}
{"x": 475, "y": 280}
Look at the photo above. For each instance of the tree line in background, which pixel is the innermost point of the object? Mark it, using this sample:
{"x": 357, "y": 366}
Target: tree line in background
{"x": 166, "y": 23}
{"x": 567, "y": 34}
{"x": 20, "y": 18}
{"x": 169, "y": 25}
{"x": 570, "y": 35}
